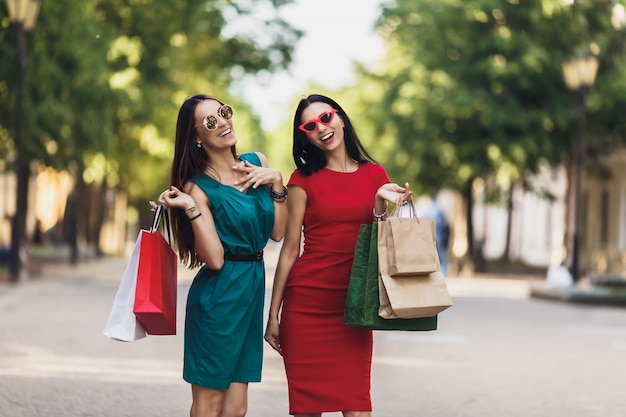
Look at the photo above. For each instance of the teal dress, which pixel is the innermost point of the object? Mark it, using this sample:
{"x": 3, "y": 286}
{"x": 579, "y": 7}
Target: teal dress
{"x": 224, "y": 316}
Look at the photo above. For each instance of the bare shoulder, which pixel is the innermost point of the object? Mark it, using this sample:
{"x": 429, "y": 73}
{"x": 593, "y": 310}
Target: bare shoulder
{"x": 195, "y": 192}
{"x": 263, "y": 159}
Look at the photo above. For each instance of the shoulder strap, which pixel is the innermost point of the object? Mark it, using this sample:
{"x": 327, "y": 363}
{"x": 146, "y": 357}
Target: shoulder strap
{"x": 251, "y": 157}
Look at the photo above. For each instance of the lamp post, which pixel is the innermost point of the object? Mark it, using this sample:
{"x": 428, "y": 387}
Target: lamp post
{"x": 23, "y": 14}
{"x": 580, "y": 74}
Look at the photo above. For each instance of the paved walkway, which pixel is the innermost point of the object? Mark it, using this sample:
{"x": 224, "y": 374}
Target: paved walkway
{"x": 111, "y": 269}
{"x": 497, "y": 352}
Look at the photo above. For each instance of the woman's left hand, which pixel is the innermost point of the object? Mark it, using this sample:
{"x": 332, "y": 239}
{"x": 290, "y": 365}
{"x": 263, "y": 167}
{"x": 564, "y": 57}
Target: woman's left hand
{"x": 393, "y": 193}
{"x": 254, "y": 176}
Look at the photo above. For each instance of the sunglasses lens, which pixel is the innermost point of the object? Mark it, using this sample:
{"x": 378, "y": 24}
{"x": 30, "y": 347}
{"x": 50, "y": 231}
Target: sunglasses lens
{"x": 210, "y": 122}
{"x": 327, "y": 117}
{"x": 309, "y": 127}
{"x": 226, "y": 112}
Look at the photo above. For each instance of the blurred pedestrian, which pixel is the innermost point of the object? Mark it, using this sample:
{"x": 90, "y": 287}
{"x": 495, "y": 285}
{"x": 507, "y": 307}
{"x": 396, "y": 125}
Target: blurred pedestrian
{"x": 434, "y": 212}
{"x": 335, "y": 188}
{"x": 226, "y": 206}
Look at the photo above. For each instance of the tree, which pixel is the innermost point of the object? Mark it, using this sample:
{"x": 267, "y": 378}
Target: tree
{"x": 475, "y": 89}
{"x": 110, "y": 76}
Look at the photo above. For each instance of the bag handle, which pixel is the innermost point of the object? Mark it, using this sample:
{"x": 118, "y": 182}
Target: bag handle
{"x": 412, "y": 213}
{"x": 158, "y": 212}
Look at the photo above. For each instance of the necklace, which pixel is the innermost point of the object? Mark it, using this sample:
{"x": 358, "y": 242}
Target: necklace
{"x": 229, "y": 176}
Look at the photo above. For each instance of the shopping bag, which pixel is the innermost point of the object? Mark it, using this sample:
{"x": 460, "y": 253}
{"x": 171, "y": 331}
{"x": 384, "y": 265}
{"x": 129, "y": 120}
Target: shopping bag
{"x": 411, "y": 244}
{"x": 157, "y": 280}
{"x": 409, "y": 296}
{"x": 122, "y": 324}
{"x": 362, "y": 301}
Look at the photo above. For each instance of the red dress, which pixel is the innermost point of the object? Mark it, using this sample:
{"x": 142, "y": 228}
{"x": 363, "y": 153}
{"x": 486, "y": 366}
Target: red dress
{"x": 327, "y": 363}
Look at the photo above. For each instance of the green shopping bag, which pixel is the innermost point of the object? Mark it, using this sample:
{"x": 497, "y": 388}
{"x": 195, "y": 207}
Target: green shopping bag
{"x": 362, "y": 301}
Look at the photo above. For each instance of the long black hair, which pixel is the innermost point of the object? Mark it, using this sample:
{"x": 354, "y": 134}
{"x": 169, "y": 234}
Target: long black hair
{"x": 189, "y": 162}
{"x": 308, "y": 157}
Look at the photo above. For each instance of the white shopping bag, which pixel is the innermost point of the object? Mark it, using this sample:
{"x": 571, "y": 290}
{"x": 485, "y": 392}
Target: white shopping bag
{"x": 122, "y": 324}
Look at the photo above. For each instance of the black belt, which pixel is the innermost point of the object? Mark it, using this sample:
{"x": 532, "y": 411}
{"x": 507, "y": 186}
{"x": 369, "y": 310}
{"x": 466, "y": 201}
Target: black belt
{"x": 243, "y": 258}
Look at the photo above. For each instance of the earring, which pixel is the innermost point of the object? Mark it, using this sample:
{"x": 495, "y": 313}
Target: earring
{"x": 198, "y": 144}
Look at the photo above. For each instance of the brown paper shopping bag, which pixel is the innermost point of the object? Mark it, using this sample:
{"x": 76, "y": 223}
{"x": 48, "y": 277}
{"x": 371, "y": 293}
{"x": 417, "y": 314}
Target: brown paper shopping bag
{"x": 411, "y": 244}
{"x": 410, "y": 296}
{"x": 411, "y": 248}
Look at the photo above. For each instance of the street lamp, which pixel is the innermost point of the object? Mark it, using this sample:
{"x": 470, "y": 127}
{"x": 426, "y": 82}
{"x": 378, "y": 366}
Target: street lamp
{"x": 580, "y": 74}
{"x": 23, "y": 14}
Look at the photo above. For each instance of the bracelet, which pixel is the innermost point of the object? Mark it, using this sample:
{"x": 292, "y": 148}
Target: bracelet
{"x": 278, "y": 196}
{"x": 191, "y": 208}
{"x": 195, "y": 217}
{"x": 378, "y": 217}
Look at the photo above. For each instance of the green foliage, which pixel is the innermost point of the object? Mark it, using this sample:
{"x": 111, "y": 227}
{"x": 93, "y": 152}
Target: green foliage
{"x": 475, "y": 88}
{"x": 105, "y": 79}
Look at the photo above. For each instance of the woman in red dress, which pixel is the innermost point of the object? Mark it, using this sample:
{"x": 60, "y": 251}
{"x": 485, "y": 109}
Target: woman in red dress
{"x": 335, "y": 188}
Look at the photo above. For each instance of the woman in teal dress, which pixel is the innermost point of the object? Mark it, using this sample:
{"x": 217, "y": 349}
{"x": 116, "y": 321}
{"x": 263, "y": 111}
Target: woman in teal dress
{"x": 225, "y": 208}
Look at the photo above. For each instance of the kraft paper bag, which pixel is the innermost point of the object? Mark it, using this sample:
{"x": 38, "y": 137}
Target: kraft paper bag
{"x": 157, "y": 281}
{"x": 122, "y": 324}
{"x": 410, "y": 296}
{"x": 362, "y": 301}
{"x": 411, "y": 246}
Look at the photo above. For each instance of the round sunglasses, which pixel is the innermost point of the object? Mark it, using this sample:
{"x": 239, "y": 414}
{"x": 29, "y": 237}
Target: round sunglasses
{"x": 210, "y": 122}
{"x": 325, "y": 118}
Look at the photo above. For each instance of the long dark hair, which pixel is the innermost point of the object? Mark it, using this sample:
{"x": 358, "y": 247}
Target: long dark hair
{"x": 308, "y": 157}
{"x": 189, "y": 162}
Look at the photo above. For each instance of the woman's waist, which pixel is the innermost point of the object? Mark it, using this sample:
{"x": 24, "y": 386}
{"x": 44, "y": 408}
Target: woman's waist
{"x": 326, "y": 246}
{"x": 304, "y": 298}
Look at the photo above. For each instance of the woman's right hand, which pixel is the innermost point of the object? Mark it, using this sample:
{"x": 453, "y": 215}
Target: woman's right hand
{"x": 272, "y": 335}
{"x": 173, "y": 197}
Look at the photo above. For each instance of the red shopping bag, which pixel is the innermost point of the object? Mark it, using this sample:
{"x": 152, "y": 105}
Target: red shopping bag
{"x": 157, "y": 280}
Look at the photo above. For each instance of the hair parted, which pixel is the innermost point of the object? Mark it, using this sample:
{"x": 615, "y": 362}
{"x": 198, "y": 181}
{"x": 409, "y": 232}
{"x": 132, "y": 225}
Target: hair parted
{"x": 309, "y": 158}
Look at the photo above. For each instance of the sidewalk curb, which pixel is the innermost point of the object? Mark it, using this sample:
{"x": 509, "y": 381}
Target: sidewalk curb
{"x": 586, "y": 295}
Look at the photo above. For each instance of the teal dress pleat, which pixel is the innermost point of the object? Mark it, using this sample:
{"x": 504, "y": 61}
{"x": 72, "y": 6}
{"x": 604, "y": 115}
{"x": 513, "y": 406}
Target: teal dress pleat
{"x": 224, "y": 313}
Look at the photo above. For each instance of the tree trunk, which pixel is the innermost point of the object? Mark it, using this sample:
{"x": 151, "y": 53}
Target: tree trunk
{"x": 474, "y": 248}
{"x": 18, "y": 223}
{"x": 100, "y": 216}
{"x": 569, "y": 217}
{"x": 509, "y": 224}
{"x": 75, "y": 214}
